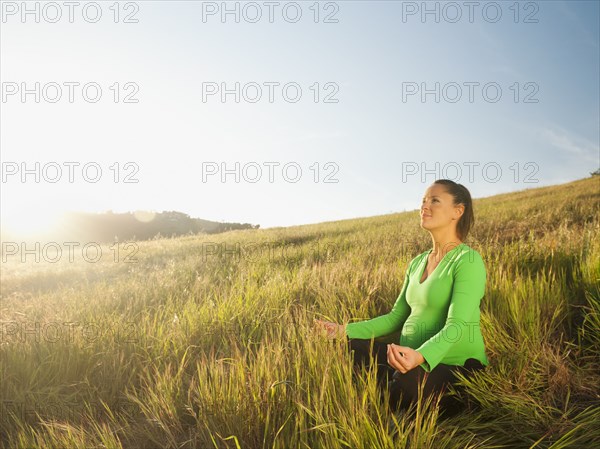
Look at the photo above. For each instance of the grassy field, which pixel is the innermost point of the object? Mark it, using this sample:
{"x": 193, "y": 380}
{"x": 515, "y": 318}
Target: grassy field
{"x": 208, "y": 341}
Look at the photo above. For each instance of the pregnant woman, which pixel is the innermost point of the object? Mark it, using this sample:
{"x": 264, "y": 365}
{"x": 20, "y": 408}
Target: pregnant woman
{"x": 437, "y": 310}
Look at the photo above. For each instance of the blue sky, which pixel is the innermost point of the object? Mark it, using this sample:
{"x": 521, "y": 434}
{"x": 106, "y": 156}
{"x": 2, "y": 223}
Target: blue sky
{"x": 370, "y": 137}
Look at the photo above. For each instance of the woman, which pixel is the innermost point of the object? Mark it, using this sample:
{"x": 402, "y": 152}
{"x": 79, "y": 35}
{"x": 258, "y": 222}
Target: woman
{"x": 437, "y": 309}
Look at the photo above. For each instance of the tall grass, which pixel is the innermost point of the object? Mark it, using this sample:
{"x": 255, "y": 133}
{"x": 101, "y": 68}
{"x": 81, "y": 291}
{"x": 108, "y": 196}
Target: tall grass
{"x": 190, "y": 349}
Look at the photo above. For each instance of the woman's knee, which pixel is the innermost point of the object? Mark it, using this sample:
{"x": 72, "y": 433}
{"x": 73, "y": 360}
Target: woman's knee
{"x": 359, "y": 351}
{"x": 417, "y": 384}
{"x": 407, "y": 384}
{"x": 357, "y": 345}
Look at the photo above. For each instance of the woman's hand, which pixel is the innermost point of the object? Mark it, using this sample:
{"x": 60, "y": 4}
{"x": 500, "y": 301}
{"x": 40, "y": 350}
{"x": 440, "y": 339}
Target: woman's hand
{"x": 333, "y": 330}
{"x": 403, "y": 358}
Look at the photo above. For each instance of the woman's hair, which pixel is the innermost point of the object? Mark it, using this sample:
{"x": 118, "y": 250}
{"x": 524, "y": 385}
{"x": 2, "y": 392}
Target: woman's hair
{"x": 461, "y": 196}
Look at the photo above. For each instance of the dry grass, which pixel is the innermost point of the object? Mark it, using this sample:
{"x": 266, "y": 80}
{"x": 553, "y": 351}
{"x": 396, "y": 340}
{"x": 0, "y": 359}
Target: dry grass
{"x": 185, "y": 349}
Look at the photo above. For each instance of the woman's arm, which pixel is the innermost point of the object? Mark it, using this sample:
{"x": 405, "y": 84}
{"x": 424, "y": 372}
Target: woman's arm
{"x": 384, "y": 324}
{"x": 467, "y": 292}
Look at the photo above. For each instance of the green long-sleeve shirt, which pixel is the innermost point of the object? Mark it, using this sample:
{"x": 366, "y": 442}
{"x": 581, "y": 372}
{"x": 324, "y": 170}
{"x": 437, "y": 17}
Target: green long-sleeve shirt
{"x": 440, "y": 317}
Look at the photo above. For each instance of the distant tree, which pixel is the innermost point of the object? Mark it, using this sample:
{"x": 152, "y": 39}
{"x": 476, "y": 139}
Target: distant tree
{"x": 596, "y": 173}
{"x": 120, "y": 227}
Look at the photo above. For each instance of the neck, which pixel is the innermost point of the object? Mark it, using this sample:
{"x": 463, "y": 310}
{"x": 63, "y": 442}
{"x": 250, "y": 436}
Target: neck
{"x": 442, "y": 243}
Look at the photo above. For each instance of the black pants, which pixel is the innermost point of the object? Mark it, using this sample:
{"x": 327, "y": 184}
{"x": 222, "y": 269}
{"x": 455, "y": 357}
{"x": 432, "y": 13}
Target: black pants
{"x": 403, "y": 388}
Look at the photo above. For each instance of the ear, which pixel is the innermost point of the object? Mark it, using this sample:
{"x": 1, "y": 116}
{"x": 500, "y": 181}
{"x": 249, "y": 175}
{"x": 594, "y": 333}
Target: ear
{"x": 458, "y": 211}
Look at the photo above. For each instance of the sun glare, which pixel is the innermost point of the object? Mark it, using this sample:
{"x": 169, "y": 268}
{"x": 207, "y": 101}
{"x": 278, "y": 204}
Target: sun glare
{"x": 30, "y": 221}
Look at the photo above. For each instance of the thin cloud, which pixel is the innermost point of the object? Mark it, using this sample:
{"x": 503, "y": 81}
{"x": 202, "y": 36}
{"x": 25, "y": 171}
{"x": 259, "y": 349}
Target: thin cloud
{"x": 571, "y": 144}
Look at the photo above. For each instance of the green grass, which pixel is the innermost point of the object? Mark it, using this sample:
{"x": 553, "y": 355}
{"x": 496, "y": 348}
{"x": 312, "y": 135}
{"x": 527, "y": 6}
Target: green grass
{"x": 185, "y": 349}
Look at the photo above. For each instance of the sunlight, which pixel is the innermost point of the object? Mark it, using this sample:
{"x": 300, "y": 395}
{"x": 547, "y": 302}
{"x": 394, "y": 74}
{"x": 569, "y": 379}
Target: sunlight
{"x": 30, "y": 221}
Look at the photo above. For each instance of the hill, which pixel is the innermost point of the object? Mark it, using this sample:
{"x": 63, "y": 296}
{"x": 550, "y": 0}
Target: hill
{"x": 130, "y": 226}
{"x": 207, "y": 341}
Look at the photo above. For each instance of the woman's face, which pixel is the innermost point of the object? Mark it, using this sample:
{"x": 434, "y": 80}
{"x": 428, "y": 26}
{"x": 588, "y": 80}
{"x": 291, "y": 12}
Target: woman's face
{"x": 438, "y": 209}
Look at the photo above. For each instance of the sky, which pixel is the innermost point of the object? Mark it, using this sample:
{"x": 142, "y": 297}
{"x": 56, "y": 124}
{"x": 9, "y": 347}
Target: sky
{"x": 288, "y": 113}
